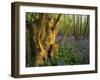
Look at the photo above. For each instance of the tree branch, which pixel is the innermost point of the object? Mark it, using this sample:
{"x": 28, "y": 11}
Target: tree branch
{"x": 41, "y": 23}
{"x": 67, "y": 30}
{"x": 57, "y": 20}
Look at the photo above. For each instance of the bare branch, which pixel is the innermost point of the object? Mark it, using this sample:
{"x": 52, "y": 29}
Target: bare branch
{"x": 67, "y": 30}
{"x": 57, "y": 20}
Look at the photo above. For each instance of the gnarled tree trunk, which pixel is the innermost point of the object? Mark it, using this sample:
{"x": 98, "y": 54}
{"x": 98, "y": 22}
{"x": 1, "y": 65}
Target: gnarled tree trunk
{"x": 43, "y": 37}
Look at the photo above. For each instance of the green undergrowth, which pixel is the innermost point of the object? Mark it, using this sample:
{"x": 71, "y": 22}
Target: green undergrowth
{"x": 69, "y": 54}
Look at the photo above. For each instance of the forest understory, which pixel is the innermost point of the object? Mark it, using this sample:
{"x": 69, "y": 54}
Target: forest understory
{"x": 56, "y": 39}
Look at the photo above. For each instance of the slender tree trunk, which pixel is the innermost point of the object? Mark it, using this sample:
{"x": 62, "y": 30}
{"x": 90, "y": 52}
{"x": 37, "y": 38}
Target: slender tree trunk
{"x": 86, "y": 31}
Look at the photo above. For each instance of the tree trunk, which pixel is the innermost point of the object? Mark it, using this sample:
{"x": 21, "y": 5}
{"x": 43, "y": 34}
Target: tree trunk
{"x": 44, "y": 35}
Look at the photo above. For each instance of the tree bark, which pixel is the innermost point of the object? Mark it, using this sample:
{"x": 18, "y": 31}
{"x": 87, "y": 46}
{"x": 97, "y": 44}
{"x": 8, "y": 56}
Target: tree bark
{"x": 44, "y": 38}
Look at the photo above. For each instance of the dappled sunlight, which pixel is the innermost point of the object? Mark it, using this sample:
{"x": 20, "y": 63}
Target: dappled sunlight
{"x": 56, "y": 39}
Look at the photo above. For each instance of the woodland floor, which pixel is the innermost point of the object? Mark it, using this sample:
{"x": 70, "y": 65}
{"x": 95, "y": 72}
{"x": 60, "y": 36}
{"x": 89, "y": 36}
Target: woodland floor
{"x": 71, "y": 52}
